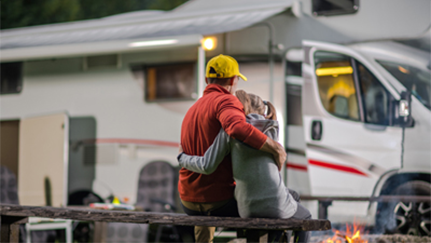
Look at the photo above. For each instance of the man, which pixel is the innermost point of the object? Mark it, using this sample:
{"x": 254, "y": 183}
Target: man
{"x": 212, "y": 195}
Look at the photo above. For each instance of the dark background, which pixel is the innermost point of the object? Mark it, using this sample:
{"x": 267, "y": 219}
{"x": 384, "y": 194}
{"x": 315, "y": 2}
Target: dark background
{"x": 22, "y": 13}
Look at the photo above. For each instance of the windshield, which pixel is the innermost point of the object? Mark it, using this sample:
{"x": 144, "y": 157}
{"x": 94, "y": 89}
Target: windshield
{"x": 417, "y": 81}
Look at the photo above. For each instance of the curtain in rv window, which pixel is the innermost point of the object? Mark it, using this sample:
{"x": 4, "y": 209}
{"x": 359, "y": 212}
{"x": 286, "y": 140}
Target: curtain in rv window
{"x": 169, "y": 82}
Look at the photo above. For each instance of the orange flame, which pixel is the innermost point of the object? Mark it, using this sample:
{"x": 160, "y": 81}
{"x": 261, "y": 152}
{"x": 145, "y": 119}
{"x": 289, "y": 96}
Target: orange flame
{"x": 352, "y": 235}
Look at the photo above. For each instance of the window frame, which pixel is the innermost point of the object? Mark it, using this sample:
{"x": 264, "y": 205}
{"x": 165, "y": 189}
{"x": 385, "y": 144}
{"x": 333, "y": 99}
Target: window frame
{"x": 354, "y": 80}
{"x": 357, "y": 83}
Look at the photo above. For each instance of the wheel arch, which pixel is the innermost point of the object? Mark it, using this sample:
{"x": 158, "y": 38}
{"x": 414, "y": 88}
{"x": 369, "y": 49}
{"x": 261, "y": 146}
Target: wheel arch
{"x": 393, "y": 217}
{"x": 391, "y": 180}
{"x": 396, "y": 180}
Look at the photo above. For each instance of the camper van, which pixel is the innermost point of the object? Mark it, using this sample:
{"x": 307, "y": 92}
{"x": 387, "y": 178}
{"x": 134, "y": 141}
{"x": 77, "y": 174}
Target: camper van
{"x": 85, "y": 106}
{"x": 364, "y": 127}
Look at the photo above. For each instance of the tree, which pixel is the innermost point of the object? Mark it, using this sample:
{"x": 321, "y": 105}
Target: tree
{"x": 22, "y": 13}
{"x": 165, "y": 5}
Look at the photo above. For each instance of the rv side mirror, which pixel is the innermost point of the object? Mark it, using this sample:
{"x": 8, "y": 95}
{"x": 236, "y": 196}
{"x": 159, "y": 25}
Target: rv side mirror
{"x": 404, "y": 109}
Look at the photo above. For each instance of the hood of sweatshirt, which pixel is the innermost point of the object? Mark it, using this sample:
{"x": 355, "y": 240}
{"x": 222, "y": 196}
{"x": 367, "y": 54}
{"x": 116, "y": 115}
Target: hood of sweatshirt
{"x": 268, "y": 127}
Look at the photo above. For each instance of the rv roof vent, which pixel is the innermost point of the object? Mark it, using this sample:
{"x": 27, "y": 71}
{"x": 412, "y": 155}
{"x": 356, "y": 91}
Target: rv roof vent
{"x": 102, "y": 61}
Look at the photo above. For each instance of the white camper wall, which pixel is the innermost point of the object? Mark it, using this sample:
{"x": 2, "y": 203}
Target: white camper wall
{"x": 375, "y": 20}
{"x": 115, "y": 100}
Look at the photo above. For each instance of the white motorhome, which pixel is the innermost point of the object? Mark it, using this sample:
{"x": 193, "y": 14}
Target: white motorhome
{"x": 85, "y": 105}
{"x": 355, "y": 140}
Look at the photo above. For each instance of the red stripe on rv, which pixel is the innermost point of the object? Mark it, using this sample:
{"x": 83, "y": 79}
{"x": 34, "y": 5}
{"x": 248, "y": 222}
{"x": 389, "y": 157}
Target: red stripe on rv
{"x": 296, "y": 166}
{"x": 133, "y": 141}
{"x": 336, "y": 167}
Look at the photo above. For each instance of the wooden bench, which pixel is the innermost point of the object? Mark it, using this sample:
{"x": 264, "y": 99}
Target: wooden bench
{"x": 253, "y": 229}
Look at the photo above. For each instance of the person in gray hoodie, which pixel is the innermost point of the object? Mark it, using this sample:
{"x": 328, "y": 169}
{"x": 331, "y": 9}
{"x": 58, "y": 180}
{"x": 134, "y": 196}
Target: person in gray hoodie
{"x": 260, "y": 191}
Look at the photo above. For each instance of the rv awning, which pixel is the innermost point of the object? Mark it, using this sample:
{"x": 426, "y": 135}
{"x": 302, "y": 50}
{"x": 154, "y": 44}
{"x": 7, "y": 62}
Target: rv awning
{"x": 198, "y": 17}
{"x": 97, "y": 48}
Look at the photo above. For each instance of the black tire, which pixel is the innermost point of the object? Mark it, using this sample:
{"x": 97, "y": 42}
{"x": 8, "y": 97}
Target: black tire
{"x": 411, "y": 218}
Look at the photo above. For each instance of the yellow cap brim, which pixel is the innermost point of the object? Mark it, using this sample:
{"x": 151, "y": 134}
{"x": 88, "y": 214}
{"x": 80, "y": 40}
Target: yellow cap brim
{"x": 242, "y": 76}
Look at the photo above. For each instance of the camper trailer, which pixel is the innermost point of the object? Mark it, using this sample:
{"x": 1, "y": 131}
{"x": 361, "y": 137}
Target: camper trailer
{"x": 86, "y": 105}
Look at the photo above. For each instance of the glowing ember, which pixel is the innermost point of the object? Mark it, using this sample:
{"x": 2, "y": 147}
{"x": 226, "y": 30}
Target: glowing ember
{"x": 352, "y": 235}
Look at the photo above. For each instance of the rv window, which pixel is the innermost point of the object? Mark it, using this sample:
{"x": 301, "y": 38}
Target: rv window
{"x": 293, "y": 68}
{"x": 416, "y": 80}
{"x": 376, "y": 99}
{"x": 335, "y": 7}
{"x": 336, "y": 85}
{"x": 170, "y": 82}
{"x": 294, "y": 105}
{"x": 11, "y": 78}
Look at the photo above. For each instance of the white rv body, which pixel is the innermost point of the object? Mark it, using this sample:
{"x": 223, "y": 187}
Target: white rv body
{"x": 362, "y": 156}
{"x": 111, "y": 121}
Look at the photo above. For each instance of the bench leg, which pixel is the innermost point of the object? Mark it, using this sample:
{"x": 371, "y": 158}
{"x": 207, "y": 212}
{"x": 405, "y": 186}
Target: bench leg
{"x": 10, "y": 228}
{"x": 100, "y": 230}
{"x": 323, "y": 209}
{"x": 260, "y": 236}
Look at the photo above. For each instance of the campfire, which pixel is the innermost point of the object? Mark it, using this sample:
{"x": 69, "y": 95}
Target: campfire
{"x": 351, "y": 235}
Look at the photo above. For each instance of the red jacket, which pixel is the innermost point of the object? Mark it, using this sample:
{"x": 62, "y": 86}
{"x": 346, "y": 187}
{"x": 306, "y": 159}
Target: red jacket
{"x": 216, "y": 109}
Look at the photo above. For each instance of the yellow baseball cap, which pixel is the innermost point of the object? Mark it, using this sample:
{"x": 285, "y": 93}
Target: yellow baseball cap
{"x": 223, "y": 66}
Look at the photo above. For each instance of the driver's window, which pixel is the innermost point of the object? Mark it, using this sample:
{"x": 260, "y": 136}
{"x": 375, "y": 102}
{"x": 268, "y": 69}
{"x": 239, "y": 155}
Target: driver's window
{"x": 336, "y": 85}
{"x": 375, "y": 97}
{"x": 337, "y": 75}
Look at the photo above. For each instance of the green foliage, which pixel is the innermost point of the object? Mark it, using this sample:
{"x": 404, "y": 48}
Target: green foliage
{"x": 165, "y": 5}
{"x": 22, "y": 13}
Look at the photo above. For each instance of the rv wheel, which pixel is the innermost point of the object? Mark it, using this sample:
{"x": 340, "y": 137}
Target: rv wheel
{"x": 410, "y": 218}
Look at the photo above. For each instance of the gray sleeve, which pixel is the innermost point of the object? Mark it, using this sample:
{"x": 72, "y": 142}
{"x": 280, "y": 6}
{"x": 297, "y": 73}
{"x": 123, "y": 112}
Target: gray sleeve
{"x": 208, "y": 163}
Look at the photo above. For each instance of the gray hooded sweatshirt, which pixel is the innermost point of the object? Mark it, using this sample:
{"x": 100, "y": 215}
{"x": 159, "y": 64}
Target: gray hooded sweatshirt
{"x": 260, "y": 191}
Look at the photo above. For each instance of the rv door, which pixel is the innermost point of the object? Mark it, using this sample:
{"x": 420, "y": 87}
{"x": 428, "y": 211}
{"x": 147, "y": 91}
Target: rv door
{"x": 43, "y": 160}
{"x": 350, "y": 140}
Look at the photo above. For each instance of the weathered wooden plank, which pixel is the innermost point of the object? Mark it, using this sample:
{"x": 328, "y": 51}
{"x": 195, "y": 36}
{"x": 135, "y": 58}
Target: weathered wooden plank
{"x": 163, "y": 218}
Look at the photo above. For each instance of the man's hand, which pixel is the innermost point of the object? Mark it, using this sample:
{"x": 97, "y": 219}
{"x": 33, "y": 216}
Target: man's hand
{"x": 180, "y": 149}
{"x": 276, "y": 150}
{"x": 280, "y": 157}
